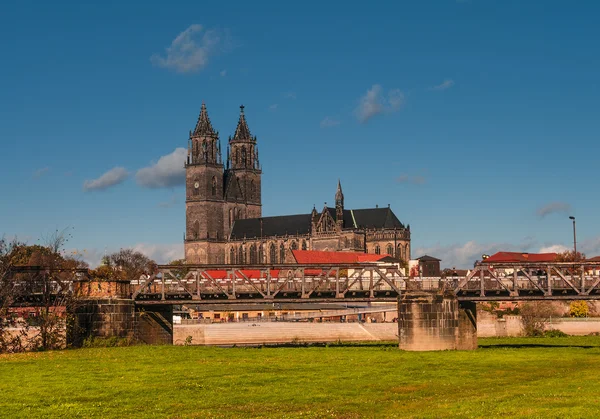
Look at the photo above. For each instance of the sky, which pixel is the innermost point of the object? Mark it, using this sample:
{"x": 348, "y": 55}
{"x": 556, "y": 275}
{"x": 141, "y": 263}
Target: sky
{"x": 476, "y": 121}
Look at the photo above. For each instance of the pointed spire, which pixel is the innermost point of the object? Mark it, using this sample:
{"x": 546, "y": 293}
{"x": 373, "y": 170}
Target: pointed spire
{"x": 339, "y": 193}
{"x": 203, "y": 126}
{"x": 242, "y": 132}
{"x": 339, "y": 196}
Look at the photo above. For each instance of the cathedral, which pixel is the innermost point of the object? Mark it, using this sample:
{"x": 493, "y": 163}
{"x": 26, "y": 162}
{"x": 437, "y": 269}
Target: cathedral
{"x": 224, "y": 222}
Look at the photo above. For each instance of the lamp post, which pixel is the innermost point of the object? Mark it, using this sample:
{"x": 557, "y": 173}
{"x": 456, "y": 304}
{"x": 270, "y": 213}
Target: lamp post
{"x": 574, "y": 236}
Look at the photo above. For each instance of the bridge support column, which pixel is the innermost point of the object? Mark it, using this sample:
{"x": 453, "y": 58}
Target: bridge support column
{"x": 155, "y": 324}
{"x": 435, "y": 321}
{"x": 100, "y": 318}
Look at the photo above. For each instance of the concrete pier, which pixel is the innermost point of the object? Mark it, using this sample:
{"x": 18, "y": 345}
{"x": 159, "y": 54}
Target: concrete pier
{"x": 435, "y": 321}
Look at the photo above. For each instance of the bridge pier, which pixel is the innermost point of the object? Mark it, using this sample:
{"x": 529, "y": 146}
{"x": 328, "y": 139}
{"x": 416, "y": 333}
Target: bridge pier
{"x": 120, "y": 317}
{"x": 436, "y": 321}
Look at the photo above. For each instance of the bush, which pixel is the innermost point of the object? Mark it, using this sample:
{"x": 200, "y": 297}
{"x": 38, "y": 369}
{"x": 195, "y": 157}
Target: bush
{"x": 555, "y": 333}
{"x": 579, "y": 309}
{"x": 535, "y": 315}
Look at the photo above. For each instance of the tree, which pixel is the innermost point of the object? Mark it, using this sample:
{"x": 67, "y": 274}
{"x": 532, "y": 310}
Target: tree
{"x": 570, "y": 256}
{"x": 9, "y": 342}
{"x": 535, "y": 316}
{"x": 579, "y": 309}
{"x": 128, "y": 264}
{"x": 40, "y": 276}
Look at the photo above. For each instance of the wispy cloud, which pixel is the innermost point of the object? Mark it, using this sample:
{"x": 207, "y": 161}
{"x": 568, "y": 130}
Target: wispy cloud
{"x": 167, "y": 172}
{"x": 375, "y": 102}
{"x": 273, "y": 107}
{"x": 329, "y": 122}
{"x": 553, "y": 208}
{"x": 446, "y": 84}
{"x": 223, "y": 73}
{"x": 290, "y": 95}
{"x": 40, "y": 172}
{"x": 463, "y": 255}
{"x": 113, "y": 177}
{"x": 168, "y": 204}
{"x": 190, "y": 50}
{"x": 411, "y": 179}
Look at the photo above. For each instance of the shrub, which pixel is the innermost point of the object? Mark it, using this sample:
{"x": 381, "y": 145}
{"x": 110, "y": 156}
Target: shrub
{"x": 579, "y": 309}
{"x": 535, "y": 315}
{"x": 555, "y": 333}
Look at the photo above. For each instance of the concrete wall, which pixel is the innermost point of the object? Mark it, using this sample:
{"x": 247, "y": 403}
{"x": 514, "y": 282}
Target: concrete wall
{"x": 283, "y": 332}
{"x": 490, "y": 326}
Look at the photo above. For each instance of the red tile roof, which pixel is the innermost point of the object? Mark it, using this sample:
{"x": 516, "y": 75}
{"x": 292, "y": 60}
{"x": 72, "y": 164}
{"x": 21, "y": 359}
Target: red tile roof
{"x": 317, "y": 256}
{"x": 505, "y": 257}
{"x": 594, "y": 259}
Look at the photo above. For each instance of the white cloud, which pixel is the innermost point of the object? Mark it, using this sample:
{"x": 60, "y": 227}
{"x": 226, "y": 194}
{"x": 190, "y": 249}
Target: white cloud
{"x": 223, "y": 73}
{"x": 167, "y": 172}
{"x": 412, "y": 179}
{"x": 446, "y": 84}
{"x": 290, "y": 95}
{"x": 274, "y": 107}
{"x": 189, "y": 51}
{"x": 462, "y": 256}
{"x": 113, "y": 177}
{"x": 555, "y": 248}
{"x": 374, "y": 102}
{"x": 160, "y": 253}
{"x": 553, "y": 208}
{"x": 329, "y": 122}
{"x": 40, "y": 172}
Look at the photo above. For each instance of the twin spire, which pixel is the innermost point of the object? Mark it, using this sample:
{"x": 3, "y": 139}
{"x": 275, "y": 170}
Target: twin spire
{"x": 204, "y": 127}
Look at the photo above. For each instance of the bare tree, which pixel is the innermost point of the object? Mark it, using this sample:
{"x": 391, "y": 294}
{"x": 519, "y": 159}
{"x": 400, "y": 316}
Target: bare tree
{"x": 41, "y": 278}
{"x": 130, "y": 264}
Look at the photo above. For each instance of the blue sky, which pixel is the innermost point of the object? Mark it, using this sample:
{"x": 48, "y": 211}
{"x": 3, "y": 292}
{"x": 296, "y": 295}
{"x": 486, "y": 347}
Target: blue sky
{"x": 477, "y": 121}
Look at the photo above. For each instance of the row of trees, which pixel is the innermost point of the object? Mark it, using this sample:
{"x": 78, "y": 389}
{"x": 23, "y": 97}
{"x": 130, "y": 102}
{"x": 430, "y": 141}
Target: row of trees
{"x": 35, "y": 303}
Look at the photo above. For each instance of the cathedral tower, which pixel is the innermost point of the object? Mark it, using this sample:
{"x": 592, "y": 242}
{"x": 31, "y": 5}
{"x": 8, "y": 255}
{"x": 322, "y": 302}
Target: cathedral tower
{"x": 204, "y": 194}
{"x": 242, "y": 176}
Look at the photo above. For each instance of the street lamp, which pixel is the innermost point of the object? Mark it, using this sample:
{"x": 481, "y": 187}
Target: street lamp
{"x": 574, "y": 237}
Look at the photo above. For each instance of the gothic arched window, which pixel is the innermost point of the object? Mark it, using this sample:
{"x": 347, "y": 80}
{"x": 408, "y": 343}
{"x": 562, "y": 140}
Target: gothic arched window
{"x": 377, "y": 250}
{"x": 406, "y": 252}
{"x": 230, "y": 217}
{"x": 241, "y": 258}
{"x": 272, "y": 253}
{"x": 261, "y": 256}
{"x": 294, "y": 245}
{"x": 232, "y": 256}
{"x": 253, "y": 254}
{"x": 303, "y": 244}
{"x": 244, "y": 156}
{"x": 252, "y": 189}
{"x": 399, "y": 254}
{"x": 282, "y": 253}
{"x": 389, "y": 250}
{"x": 214, "y": 185}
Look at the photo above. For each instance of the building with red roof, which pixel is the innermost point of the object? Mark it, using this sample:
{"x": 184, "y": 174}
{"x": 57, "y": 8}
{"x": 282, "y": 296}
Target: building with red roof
{"x": 516, "y": 257}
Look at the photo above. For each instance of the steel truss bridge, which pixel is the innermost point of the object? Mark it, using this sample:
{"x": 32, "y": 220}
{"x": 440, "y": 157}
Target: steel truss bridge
{"x": 293, "y": 283}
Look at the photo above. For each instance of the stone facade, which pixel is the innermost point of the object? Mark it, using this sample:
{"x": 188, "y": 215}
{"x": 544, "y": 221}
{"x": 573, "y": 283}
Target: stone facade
{"x": 224, "y": 223}
{"x": 434, "y": 321}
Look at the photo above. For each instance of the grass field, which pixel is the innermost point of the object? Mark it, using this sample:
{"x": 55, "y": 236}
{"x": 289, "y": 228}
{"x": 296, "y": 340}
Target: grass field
{"x": 516, "y": 377}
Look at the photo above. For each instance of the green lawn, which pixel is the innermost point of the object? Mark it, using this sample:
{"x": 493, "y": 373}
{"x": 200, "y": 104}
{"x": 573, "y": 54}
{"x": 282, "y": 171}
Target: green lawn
{"x": 518, "y": 377}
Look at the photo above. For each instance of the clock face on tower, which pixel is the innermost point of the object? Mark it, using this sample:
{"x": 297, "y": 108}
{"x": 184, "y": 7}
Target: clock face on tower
{"x": 196, "y": 185}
